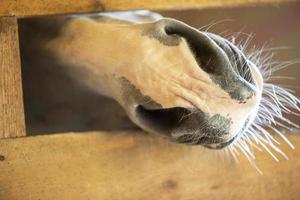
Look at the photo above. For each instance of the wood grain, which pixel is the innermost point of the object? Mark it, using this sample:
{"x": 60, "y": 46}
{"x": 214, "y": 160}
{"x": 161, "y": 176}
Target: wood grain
{"x": 136, "y": 166}
{"x": 12, "y": 123}
{"x": 22, "y": 8}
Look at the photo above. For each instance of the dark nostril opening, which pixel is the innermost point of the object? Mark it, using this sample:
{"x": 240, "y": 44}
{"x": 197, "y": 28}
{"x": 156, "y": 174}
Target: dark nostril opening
{"x": 209, "y": 56}
{"x": 169, "y": 30}
{"x": 237, "y": 60}
{"x": 161, "y": 120}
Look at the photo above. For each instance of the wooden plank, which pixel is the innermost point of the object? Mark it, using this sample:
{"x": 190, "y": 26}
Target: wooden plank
{"x": 137, "y": 166}
{"x": 12, "y": 123}
{"x": 23, "y": 8}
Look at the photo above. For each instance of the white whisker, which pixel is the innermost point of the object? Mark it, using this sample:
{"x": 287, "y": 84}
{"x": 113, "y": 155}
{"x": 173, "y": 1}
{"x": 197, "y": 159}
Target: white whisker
{"x": 276, "y": 102}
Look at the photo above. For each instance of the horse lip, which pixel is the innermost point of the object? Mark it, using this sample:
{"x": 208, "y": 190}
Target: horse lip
{"x": 220, "y": 145}
{"x": 208, "y": 142}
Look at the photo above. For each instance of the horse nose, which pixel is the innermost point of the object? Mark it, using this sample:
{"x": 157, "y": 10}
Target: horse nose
{"x": 208, "y": 54}
{"x": 221, "y": 60}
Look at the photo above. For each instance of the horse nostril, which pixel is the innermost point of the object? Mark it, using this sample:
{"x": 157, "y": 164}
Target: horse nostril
{"x": 209, "y": 56}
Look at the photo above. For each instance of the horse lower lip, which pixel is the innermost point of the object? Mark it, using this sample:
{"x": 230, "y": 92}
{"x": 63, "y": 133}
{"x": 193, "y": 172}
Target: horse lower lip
{"x": 220, "y": 145}
{"x": 188, "y": 139}
{"x": 211, "y": 143}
